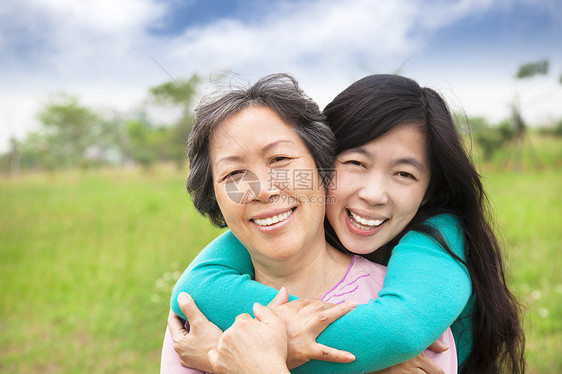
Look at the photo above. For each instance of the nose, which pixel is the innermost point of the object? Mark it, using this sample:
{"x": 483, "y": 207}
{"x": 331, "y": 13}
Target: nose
{"x": 270, "y": 187}
{"x": 374, "y": 190}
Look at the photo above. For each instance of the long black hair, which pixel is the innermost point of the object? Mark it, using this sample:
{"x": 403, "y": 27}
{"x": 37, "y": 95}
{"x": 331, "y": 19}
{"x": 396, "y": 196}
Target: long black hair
{"x": 378, "y": 103}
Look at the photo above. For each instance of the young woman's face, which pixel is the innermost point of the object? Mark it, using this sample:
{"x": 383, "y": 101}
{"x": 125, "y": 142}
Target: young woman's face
{"x": 267, "y": 185}
{"x": 379, "y": 188}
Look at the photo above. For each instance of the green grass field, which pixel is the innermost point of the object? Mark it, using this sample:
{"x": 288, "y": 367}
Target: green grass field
{"x": 87, "y": 260}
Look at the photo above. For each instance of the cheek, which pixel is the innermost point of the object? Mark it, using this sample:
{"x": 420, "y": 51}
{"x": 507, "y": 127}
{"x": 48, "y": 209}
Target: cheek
{"x": 224, "y": 202}
{"x": 411, "y": 205}
{"x": 341, "y": 186}
{"x": 336, "y": 200}
{"x": 219, "y": 194}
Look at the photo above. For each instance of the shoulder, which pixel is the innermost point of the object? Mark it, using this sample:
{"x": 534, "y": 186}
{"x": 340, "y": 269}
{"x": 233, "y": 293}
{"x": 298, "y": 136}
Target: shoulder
{"x": 445, "y": 220}
{"x": 227, "y": 238}
{"x": 369, "y": 267}
{"x": 450, "y": 228}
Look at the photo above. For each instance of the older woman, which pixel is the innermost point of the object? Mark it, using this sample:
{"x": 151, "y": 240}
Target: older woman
{"x": 260, "y": 160}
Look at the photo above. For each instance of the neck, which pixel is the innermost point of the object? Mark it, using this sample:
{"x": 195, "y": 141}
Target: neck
{"x": 310, "y": 275}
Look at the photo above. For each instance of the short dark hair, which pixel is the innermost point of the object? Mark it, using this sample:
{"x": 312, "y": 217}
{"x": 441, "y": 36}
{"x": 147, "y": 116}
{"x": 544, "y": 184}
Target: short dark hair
{"x": 278, "y": 92}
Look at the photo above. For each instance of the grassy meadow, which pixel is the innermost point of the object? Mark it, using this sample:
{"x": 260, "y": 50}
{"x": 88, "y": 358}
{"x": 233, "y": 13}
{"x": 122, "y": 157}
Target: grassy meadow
{"x": 87, "y": 260}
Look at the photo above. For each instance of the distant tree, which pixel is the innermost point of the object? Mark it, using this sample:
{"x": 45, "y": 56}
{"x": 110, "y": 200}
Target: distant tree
{"x": 139, "y": 133}
{"x": 69, "y": 129}
{"x": 520, "y": 135}
{"x": 506, "y": 129}
{"x": 74, "y": 135}
{"x": 177, "y": 93}
{"x": 14, "y": 156}
{"x": 558, "y": 128}
{"x": 488, "y": 137}
{"x": 36, "y": 152}
{"x": 111, "y": 139}
{"x": 533, "y": 68}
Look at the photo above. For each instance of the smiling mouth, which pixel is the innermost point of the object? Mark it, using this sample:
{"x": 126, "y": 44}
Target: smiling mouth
{"x": 275, "y": 219}
{"x": 364, "y": 223}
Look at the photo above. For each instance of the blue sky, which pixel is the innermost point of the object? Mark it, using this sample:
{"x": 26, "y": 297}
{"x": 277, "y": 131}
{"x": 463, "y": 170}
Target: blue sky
{"x": 104, "y": 51}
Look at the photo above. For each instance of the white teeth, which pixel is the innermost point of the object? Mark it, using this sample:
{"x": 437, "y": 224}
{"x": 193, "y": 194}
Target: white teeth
{"x": 275, "y": 219}
{"x": 366, "y": 222}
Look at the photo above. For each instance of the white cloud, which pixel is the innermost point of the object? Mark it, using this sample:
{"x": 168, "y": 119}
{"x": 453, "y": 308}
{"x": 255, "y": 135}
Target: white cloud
{"x": 102, "y": 50}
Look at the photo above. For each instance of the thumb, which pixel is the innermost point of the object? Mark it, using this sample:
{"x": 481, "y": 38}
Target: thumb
{"x": 189, "y": 308}
{"x": 438, "y": 346}
{"x": 264, "y": 314}
{"x": 281, "y": 298}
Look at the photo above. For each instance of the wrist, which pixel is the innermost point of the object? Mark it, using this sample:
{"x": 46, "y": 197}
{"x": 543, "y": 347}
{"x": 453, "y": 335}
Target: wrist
{"x": 273, "y": 367}
{"x": 280, "y": 368}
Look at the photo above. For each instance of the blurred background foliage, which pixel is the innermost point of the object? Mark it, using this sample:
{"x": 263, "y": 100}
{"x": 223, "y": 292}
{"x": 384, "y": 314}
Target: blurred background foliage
{"x": 74, "y": 135}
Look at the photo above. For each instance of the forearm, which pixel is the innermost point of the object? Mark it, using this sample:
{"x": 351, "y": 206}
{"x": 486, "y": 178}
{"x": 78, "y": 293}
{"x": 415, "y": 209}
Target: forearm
{"x": 425, "y": 289}
{"x": 220, "y": 281}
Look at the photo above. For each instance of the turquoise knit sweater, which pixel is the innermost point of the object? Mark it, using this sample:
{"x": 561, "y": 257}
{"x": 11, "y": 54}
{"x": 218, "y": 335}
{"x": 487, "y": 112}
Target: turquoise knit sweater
{"x": 425, "y": 291}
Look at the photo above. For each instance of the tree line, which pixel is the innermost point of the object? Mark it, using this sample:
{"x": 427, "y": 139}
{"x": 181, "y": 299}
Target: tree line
{"x": 72, "y": 134}
{"x": 75, "y": 135}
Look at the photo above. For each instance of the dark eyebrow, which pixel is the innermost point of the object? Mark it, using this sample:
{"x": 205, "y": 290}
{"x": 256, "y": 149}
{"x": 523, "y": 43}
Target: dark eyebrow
{"x": 228, "y": 158}
{"x": 274, "y": 144}
{"x": 406, "y": 160}
{"x": 411, "y": 161}
{"x": 263, "y": 151}
{"x": 359, "y": 150}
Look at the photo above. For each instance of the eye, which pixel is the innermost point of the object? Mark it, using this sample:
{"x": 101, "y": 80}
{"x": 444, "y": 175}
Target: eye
{"x": 352, "y": 162}
{"x": 235, "y": 174}
{"x": 405, "y": 174}
{"x": 278, "y": 159}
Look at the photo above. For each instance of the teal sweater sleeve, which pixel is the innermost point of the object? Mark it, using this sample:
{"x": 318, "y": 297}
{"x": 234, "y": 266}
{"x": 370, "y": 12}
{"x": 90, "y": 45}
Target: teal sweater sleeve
{"x": 424, "y": 291}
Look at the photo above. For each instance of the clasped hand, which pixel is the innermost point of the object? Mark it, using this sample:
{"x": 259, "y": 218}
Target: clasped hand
{"x": 281, "y": 337}
{"x": 283, "y": 330}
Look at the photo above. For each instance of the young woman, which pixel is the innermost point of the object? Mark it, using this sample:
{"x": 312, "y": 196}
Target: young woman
{"x": 444, "y": 266}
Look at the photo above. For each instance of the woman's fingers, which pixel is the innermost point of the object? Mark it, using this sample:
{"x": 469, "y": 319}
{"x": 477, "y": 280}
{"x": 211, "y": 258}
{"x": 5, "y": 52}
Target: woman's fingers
{"x": 176, "y": 325}
{"x": 252, "y": 345}
{"x": 189, "y": 308}
{"x": 324, "y": 353}
{"x": 428, "y": 366}
{"x": 327, "y": 316}
{"x": 281, "y": 298}
{"x": 305, "y": 320}
{"x": 243, "y": 318}
{"x": 193, "y": 344}
{"x": 265, "y": 315}
{"x": 420, "y": 364}
{"x": 438, "y": 346}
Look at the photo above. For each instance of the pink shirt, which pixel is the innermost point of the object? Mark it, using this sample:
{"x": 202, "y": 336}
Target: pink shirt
{"x": 361, "y": 283}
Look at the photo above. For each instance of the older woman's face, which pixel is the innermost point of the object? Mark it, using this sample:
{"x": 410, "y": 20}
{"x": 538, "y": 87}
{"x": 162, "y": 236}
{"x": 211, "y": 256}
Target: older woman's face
{"x": 266, "y": 184}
